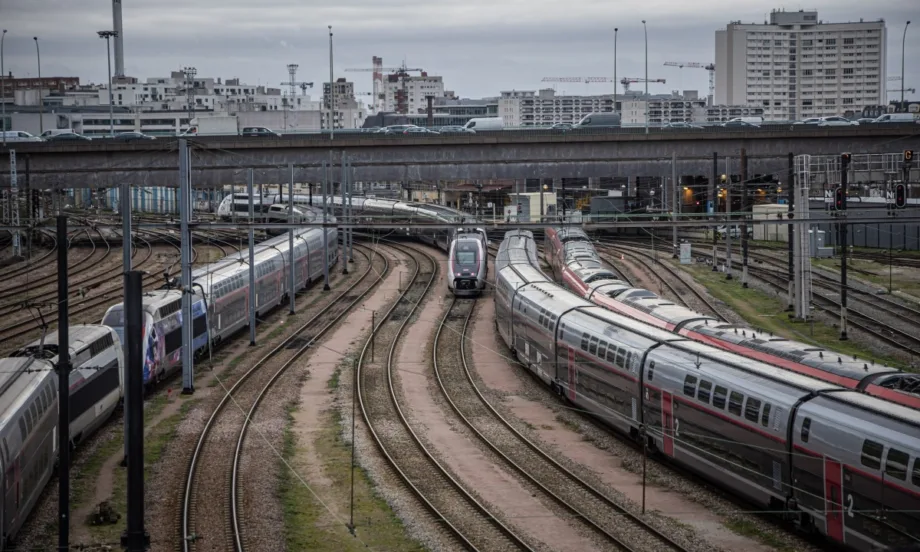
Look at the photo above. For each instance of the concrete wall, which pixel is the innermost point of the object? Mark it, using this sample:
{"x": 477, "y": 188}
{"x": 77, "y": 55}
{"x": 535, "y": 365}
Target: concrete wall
{"x": 506, "y": 155}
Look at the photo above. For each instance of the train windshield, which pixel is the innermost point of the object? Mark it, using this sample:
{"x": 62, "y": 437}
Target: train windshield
{"x": 465, "y": 253}
{"x": 114, "y": 318}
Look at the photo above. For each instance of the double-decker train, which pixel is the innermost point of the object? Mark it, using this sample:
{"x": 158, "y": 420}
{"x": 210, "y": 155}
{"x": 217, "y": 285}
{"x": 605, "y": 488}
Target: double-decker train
{"x": 577, "y": 266}
{"x": 837, "y": 461}
{"x": 29, "y": 412}
{"x": 467, "y": 262}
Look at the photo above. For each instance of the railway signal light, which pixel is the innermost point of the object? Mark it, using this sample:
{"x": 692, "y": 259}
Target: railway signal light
{"x": 900, "y": 196}
{"x": 840, "y": 199}
{"x": 908, "y": 156}
{"x": 845, "y": 160}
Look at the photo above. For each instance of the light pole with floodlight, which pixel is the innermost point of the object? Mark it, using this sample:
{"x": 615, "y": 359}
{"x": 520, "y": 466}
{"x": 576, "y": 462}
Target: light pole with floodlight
{"x": 108, "y": 57}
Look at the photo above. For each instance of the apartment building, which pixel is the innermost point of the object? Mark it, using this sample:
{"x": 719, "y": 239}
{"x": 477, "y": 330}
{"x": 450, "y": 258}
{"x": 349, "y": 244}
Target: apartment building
{"x": 797, "y": 66}
{"x": 545, "y": 108}
{"x": 407, "y": 94}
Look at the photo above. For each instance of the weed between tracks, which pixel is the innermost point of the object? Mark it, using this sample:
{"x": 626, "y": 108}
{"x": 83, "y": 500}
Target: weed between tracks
{"x": 767, "y": 313}
{"x": 747, "y": 529}
{"x": 308, "y": 525}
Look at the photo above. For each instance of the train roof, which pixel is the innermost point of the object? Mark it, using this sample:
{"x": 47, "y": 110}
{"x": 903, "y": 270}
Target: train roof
{"x": 79, "y": 336}
{"x": 809, "y": 355}
{"x": 880, "y": 407}
{"x": 17, "y": 377}
{"x": 571, "y": 233}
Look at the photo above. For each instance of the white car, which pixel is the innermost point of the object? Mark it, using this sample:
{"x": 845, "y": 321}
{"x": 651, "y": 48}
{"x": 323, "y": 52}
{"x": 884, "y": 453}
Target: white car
{"x": 836, "y": 121}
{"x": 809, "y": 121}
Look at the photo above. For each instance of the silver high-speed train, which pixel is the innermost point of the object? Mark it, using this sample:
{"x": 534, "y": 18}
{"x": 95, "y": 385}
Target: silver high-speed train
{"x": 29, "y": 412}
{"x": 467, "y": 262}
{"x": 407, "y": 214}
{"x": 839, "y": 462}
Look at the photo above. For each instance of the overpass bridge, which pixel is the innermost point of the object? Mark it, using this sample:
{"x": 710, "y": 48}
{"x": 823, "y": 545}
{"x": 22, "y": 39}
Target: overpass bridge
{"x": 225, "y": 160}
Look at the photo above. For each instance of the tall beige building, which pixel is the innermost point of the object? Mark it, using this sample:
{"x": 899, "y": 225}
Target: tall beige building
{"x": 797, "y": 66}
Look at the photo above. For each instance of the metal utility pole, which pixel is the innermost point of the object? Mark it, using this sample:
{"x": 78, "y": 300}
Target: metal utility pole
{"x": 63, "y": 369}
{"x": 790, "y": 234}
{"x": 344, "y": 233}
{"x": 675, "y": 200}
{"x": 615, "y": 31}
{"x": 712, "y": 208}
{"x": 326, "y": 169}
{"x": 188, "y": 366}
{"x": 645, "y": 30}
{"x": 331, "y": 91}
{"x": 291, "y": 264}
{"x": 351, "y": 231}
{"x": 252, "y": 264}
{"x": 107, "y": 35}
{"x": 41, "y": 101}
{"x": 2, "y": 90}
{"x": 903, "y": 42}
{"x": 844, "y": 168}
{"x": 744, "y": 226}
{"x": 728, "y": 217}
{"x": 14, "y": 204}
{"x": 135, "y": 538}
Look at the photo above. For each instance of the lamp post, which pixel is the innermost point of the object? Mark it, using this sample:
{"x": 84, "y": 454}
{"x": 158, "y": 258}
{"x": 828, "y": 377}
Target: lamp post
{"x": 2, "y": 90}
{"x": 331, "y": 91}
{"x": 41, "y": 101}
{"x": 645, "y": 31}
{"x": 903, "y": 82}
{"x": 108, "y": 57}
{"x": 615, "y": 31}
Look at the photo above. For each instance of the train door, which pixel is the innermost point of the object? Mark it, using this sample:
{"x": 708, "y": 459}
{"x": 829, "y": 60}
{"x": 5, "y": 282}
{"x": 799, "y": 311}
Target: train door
{"x": 833, "y": 498}
{"x": 573, "y": 374}
{"x": 667, "y": 423}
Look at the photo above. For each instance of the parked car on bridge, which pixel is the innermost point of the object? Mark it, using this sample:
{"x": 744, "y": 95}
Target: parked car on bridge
{"x": 419, "y": 130}
{"x": 68, "y": 137}
{"x": 681, "y": 124}
{"x": 397, "y": 129}
{"x": 836, "y": 121}
{"x": 808, "y": 121}
{"x": 133, "y": 136}
{"x": 455, "y": 129}
{"x": 259, "y": 131}
{"x": 18, "y": 136}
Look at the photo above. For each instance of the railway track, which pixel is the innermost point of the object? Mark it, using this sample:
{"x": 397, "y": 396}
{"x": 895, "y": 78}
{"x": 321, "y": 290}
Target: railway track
{"x": 903, "y": 338}
{"x": 31, "y": 265}
{"x": 49, "y": 296}
{"x": 214, "y": 473}
{"x": 613, "y": 522}
{"x": 678, "y": 294}
{"x": 463, "y": 519}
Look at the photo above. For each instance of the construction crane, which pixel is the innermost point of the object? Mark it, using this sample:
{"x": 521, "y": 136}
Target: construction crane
{"x": 401, "y": 73}
{"x": 894, "y": 78}
{"x": 293, "y": 84}
{"x": 911, "y": 90}
{"x": 626, "y": 81}
{"x": 586, "y": 80}
{"x": 711, "y": 67}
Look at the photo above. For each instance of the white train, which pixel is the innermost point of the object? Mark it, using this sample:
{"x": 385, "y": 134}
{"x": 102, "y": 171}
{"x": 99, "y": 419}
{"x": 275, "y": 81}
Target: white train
{"x": 220, "y": 304}
{"x": 29, "y": 411}
{"x": 467, "y": 262}
{"x": 838, "y": 462}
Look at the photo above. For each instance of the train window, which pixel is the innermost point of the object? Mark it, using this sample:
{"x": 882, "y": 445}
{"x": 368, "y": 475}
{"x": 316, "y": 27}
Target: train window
{"x": 602, "y": 350}
{"x": 651, "y": 370}
{"x": 703, "y": 392}
{"x": 612, "y": 354}
{"x": 690, "y": 386}
{"x": 592, "y": 347}
{"x": 621, "y": 358}
{"x": 806, "y": 429}
{"x": 752, "y": 409}
{"x": 718, "y": 397}
{"x": 735, "y": 400}
{"x": 584, "y": 341}
{"x": 765, "y": 415}
{"x": 872, "y": 454}
{"x": 914, "y": 476}
{"x": 896, "y": 464}
{"x": 22, "y": 429}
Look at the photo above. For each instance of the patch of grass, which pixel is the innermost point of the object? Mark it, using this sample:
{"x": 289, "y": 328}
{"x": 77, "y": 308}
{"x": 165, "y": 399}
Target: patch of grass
{"x": 529, "y": 425}
{"x": 547, "y": 427}
{"x": 747, "y": 529}
{"x": 308, "y": 525}
{"x": 333, "y": 382}
{"x": 568, "y": 423}
{"x": 902, "y": 278}
{"x": 155, "y": 442}
{"x": 768, "y": 314}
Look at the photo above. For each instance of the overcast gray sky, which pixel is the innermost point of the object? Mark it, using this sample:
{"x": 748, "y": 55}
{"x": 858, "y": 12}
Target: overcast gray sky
{"x": 480, "y": 47}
